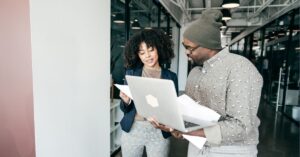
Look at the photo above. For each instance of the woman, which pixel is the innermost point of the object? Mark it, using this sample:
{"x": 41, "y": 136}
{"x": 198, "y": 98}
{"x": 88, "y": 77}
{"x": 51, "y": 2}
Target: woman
{"x": 145, "y": 54}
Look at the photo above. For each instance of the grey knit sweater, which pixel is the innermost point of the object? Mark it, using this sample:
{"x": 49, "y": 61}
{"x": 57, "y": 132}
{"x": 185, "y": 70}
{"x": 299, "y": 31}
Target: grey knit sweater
{"x": 231, "y": 85}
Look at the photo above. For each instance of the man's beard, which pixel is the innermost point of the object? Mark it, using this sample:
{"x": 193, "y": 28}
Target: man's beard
{"x": 193, "y": 63}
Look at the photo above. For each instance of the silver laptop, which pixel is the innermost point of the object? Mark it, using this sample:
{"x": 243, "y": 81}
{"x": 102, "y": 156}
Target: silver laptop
{"x": 157, "y": 98}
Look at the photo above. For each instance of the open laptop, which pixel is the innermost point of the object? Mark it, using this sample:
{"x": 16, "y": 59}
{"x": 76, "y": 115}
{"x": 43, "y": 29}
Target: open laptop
{"x": 157, "y": 98}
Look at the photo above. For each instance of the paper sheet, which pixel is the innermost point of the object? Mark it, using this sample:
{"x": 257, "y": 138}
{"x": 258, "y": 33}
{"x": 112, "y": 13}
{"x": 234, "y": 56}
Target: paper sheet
{"x": 195, "y": 140}
{"x": 196, "y": 113}
{"x": 125, "y": 89}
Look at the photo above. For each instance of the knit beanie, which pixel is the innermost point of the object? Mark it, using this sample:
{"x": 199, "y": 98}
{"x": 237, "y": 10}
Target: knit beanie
{"x": 205, "y": 31}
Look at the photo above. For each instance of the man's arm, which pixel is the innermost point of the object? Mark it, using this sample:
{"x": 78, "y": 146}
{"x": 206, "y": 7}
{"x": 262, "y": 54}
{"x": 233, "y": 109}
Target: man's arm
{"x": 242, "y": 100}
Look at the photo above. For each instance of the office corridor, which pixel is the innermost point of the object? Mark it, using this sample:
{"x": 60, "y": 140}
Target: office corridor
{"x": 278, "y": 136}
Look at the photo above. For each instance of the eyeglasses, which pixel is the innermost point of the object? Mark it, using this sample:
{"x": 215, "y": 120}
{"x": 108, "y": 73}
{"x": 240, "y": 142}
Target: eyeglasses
{"x": 191, "y": 49}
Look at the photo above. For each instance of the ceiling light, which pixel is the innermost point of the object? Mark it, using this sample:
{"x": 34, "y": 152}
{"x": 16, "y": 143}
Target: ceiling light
{"x": 135, "y": 24}
{"x": 282, "y": 48}
{"x": 296, "y": 28}
{"x": 230, "y": 3}
{"x": 281, "y": 23}
{"x": 281, "y": 32}
{"x": 226, "y": 14}
{"x": 255, "y": 43}
{"x": 119, "y": 18}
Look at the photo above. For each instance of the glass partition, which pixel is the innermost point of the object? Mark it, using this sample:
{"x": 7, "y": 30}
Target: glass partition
{"x": 275, "y": 51}
{"x": 257, "y": 48}
{"x": 143, "y": 15}
{"x": 292, "y": 94}
{"x": 174, "y": 33}
{"x": 277, "y": 45}
{"x": 234, "y": 48}
{"x": 241, "y": 45}
{"x": 164, "y": 17}
{"x": 117, "y": 44}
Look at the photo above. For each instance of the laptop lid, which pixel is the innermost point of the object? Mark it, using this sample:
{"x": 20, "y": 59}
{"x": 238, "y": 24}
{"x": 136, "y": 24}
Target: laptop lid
{"x": 156, "y": 98}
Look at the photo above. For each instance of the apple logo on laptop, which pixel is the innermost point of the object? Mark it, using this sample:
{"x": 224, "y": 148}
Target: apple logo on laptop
{"x": 152, "y": 101}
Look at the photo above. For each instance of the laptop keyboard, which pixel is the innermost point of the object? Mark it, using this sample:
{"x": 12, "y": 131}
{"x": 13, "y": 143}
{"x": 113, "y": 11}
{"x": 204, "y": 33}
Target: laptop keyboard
{"x": 189, "y": 124}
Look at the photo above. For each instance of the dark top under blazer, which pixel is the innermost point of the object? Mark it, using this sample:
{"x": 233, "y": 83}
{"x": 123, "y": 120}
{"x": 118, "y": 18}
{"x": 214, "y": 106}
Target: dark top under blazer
{"x": 130, "y": 111}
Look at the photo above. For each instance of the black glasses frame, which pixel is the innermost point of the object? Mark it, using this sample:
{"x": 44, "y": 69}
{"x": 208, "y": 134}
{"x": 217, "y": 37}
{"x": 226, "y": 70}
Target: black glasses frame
{"x": 191, "y": 49}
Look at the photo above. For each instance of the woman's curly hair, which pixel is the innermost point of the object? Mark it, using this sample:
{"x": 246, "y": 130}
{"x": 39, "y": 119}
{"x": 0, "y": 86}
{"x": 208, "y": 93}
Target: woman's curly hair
{"x": 153, "y": 38}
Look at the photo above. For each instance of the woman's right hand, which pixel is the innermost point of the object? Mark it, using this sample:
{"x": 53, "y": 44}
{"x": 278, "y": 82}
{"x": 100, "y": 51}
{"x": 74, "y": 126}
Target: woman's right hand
{"x": 177, "y": 134}
{"x": 157, "y": 125}
{"x": 124, "y": 97}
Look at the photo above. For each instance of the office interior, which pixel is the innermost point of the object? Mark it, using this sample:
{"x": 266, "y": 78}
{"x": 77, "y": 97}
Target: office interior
{"x": 265, "y": 32}
{"x": 59, "y": 60}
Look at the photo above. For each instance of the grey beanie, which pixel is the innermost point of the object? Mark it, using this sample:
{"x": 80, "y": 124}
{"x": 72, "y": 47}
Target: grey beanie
{"x": 205, "y": 31}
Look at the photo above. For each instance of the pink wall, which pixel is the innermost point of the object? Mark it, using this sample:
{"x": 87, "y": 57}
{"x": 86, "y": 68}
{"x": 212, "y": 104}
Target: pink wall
{"x": 16, "y": 98}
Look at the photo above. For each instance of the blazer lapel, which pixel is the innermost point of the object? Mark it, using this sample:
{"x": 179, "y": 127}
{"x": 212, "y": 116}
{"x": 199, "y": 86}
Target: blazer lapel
{"x": 138, "y": 72}
{"x": 163, "y": 74}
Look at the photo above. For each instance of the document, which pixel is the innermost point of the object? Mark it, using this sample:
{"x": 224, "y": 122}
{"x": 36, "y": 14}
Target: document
{"x": 196, "y": 113}
{"x": 125, "y": 89}
{"x": 195, "y": 140}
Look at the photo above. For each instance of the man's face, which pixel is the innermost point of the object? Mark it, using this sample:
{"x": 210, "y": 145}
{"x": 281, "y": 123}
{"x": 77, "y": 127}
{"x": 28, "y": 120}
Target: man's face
{"x": 197, "y": 54}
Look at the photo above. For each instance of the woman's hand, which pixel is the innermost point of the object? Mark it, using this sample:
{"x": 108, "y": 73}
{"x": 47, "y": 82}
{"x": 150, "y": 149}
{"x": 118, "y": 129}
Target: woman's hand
{"x": 124, "y": 97}
{"x": 177, "y": 134}
{"x": 157, "y": 125}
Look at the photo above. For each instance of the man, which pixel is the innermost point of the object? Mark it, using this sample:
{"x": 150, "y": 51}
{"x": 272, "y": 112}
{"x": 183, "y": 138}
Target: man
{"x": 225, "y": 82}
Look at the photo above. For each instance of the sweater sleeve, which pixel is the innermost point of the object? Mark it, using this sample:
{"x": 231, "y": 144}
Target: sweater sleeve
{"x": 126, "y": 107}
{"x": 242, "y": 100}
{"x": 213, "y": 134}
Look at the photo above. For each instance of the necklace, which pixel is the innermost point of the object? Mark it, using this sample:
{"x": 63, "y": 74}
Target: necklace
{"x": 153, "y": 73}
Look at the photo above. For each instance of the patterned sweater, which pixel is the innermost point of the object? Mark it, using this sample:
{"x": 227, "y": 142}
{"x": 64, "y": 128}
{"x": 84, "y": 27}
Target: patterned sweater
{"x": 231, "y": 85}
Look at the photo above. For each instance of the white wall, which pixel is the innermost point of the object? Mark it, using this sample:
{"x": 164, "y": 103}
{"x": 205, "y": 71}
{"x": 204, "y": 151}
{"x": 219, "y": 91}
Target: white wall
{"x": 71, "y": 55}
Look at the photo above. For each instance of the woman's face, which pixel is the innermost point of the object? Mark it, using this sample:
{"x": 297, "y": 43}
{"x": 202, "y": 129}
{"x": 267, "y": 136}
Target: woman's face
{"x": 148, "y": 56}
